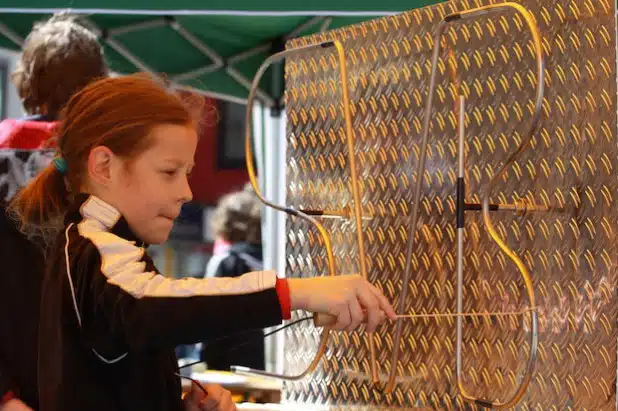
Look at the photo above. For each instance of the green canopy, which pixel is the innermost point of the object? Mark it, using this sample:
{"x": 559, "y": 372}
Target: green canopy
{"x": 212, "y": 46}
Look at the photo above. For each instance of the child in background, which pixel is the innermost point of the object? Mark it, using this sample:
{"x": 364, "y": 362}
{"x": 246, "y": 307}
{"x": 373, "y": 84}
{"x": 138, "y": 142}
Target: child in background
{"x": 237, "y": 221}
{"x": 109, "y": 321}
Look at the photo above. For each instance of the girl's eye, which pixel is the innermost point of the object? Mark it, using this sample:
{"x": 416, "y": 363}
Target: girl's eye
{"x": 170, "y": 173}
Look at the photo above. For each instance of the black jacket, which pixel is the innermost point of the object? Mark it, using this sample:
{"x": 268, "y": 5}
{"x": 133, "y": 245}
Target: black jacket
{"x": 247, "y": 348}
{"x": 21, "y": 274}
{"x": 110, "y": 322}
{"x": 21, "y": 261}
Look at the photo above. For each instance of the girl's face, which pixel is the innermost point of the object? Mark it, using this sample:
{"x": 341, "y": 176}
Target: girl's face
{"x": 150, "y": 189}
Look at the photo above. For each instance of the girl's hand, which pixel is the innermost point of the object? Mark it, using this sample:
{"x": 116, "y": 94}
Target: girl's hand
{"x": 218, "y": 399}
{"x": 349, "y": 298}
{"x": 14, "y": 405}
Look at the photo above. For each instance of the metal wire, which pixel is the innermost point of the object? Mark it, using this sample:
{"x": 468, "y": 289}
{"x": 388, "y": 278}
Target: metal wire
{"x": 194, "y": 381}
{"x": 470, "y": 314}
{"x": 297, "y": 213}
{"x": 420, "y": 171}
{"x": 486, "y": 218}
{"x": 303, "y": 319}
{"x": 233, "y": 347}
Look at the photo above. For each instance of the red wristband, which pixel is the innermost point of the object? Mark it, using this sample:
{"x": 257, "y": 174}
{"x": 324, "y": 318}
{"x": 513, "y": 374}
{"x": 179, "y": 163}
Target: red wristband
{"x": 7, "y": 397}
{"x": 283, "y": 292}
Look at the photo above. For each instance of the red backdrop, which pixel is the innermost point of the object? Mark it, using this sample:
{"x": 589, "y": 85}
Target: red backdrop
{"x": 207, "y": 182}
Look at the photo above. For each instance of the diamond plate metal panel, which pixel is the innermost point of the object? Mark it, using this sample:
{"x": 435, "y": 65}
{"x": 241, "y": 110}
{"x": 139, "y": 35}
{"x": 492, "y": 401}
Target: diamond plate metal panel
{"x": 571, "y": 164}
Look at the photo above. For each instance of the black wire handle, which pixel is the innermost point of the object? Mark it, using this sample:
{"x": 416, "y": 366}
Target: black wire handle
{"x": 234, "y": 347}
{"x": 194, "y": 381}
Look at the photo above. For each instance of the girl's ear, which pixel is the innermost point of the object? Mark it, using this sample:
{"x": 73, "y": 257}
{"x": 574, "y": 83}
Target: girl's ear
{"x": 100, "y": 166}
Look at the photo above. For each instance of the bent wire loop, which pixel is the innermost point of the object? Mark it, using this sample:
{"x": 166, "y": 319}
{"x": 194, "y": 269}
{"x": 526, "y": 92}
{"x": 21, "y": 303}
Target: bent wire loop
{"x": 532, "y": 354}
{"x": 358, "y": 217}
{"x": 356, "y": 194}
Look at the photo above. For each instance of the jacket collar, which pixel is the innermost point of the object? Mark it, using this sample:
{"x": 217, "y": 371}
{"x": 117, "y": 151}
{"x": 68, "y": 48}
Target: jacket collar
{"x": 87, "y": 206}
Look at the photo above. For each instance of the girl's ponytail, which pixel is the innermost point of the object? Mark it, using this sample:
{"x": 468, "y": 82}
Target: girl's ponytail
{"x": 39, "y": 206}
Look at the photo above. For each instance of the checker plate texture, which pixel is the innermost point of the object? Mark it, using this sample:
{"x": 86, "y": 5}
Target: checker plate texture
{"x": 571, "y": 163}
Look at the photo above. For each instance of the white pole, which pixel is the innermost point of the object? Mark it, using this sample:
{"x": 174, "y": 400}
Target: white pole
{"x": 274, "y": 222}
{"x": 280, "y": 181}
{"x": 258, "y": 138}
{"x": 268, "y": 221}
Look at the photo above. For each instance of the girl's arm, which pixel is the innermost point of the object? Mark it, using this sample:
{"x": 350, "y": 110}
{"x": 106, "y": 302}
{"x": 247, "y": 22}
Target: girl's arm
{"x": 117, "y": 281}
{"x": 117, "y": 289}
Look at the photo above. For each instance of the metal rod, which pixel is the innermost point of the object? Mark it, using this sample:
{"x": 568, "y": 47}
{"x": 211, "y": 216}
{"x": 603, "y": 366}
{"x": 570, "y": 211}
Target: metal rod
{"x": 119, "y": 48}
{"x": 211, "y": 94}
{"x": 325, "y": 320}
{"x": 460, "y": 231}
{"x": 356, "y": 194}
{"x": 144, "y": 25}
{"x": 244, "y": 81}
{"x": 290, "y": 211}
{"x": 202, "y": 12}
{"x": 420, "y": 170}
{"x": 529, "y": 286}
{"x": 10, "y": 34}
{"x": 176, "y": 79}
{"x": 529, "y": 368}
{"x": 124, "y": 52}
{"x": 460, "y": 315}
{"x": 309, "y": 23}
{"x": 197, "y": 43}
{"x": 518, "y": 207}
{"x": 333, "y": 214}
{"x": 263, "y": 48}
{"x": 197, "y": 72}
{"x": 230, "y": 61}
{"x": 462, "y": 137}
{"x": 355, "y": 191}
{"x": 326, "y": 24}
{"x": 338, "y": 214}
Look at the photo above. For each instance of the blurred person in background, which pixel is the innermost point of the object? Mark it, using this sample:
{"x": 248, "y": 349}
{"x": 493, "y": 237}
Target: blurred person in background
{"x": 59, "y": 58}
{"x": 236, "y": 222}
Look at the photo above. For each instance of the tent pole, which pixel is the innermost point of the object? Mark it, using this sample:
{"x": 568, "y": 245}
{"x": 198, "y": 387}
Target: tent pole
{"x": 306, "y": 25}
{"x": 144, "y": 25}
{"x": 7, "y": 32}
{"x": 195, "y": 42}
{"x": 274, "y": 222}
{"x": 280, "y": 218}
{"x": 277, "y": 83}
